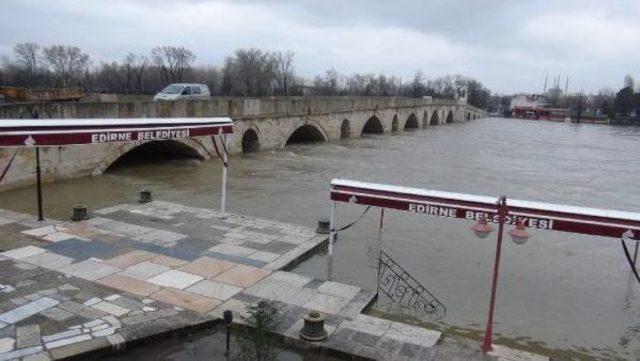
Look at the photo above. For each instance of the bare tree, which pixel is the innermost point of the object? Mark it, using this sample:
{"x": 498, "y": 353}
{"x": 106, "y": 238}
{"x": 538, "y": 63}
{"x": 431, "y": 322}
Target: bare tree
{"x": 579, "y": 103}
{"x": 133, "y": 68}
{"x": 249, "y": 72}
{"x": 28, "y": 55}
{"x": 284, "y": 70}
{"x": 174, "y": 62}
{"x": 629, "y": 82}
{"x": 67, "y": 63}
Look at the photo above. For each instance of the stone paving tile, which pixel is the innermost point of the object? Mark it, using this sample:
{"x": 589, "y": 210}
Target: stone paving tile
{"x": 128, "y": 284}
{"x": 42, "y": 231}
{"x": 411, "y": 334}
{"x": 232, "y": 250}
{"x": 217, "y": 290}
{"x": 82, "y": 250}
{"x": 314, "y": 284}
{"x": 175, "y": 279}
{"x": 81, "y": 310}
{"x": 90, "y": 270}
{"x": 144, "y": 270}
{"x": 58, "y": 236}
{"x": 6, "y": 344}
{"x": 130, "y": 258}
{"x": 57, "y": 314}
{"x": 160, "y": 237}
{"x": 24, "y": 252}
{"x": 326, "y": 303}
{"x": 125, "y": 228}
{"x": 17, "y": 354}
{"x": 237, "y": 259}
{"x": 180, "y": 253}
{"x": 363, "y": 323}
{"x": 186, "y": 299}
{"x": 288, "y": 278}
{"x": 264, "y": 256}
{"x": 27, "y": 336}
{"x": 207, "y": 267}
{"x": 339, "y": 289}
{"x": 241, "y": 276}
{"x": 49, "y": 260}
{"x": 111, "y": 308}
{"x": 168, "y": 261}
{"x": 280, "y": 292}
{"x": 27, "y": 310}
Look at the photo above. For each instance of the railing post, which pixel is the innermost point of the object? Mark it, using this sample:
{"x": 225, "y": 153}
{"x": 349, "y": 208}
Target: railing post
{"x": 332, "y": 227}
{"x": 488, "y": 334}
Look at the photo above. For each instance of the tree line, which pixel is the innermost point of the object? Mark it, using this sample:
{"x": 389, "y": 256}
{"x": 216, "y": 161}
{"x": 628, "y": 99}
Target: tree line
{"x": 247, "y": 72}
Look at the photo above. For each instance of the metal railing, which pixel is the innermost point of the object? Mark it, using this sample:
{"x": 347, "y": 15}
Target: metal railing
{"x": 402, "y": 288}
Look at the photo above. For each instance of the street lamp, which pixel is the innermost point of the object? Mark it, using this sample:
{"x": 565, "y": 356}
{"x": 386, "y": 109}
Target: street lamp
{"x": 482, "y": 228}
{"x": 519, "y": 236}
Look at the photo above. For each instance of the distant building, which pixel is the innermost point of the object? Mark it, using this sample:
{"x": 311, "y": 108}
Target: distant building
{"x": 535, "y": 106}
{"x": 529, "y": 101}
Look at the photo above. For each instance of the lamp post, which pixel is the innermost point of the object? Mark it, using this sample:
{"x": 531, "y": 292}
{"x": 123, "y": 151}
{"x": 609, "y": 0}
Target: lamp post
{"x": 519, "y": 236}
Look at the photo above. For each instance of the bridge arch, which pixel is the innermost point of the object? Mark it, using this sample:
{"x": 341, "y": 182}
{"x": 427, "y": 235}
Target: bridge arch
{"x": 412, "y": 122}
{"x": 434, "y": 118}
{"x": 137, "y": 152}
{"x": 450, "y": 117}
{"x": 372, "y": 126}
{"x": 394, "y": 124}
{"x": 250, "y": 141}
{"x": 306, "y": 133}
{"x": 345, "y": 130}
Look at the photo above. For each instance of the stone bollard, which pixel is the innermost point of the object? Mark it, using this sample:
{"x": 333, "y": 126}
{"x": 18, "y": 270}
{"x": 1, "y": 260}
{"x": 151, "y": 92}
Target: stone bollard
{"x": 323, "y": 226}
{"x": 313, "y": 329}
{"x": 80, "y": 212}
{"x": 145, "y": 196}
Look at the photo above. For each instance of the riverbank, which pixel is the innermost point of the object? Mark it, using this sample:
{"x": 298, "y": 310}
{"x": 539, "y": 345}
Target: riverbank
{"x": 135, "y": 272}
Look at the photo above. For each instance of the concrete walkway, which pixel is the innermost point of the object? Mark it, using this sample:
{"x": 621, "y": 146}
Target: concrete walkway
{"x": 136, "y": 271}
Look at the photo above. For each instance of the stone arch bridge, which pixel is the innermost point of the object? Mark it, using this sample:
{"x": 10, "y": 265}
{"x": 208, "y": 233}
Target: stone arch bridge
{"x": 260, "y": 124}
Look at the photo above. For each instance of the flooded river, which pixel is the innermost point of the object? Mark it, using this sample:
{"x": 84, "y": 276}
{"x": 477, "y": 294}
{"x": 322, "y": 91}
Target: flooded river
{"x": 560, "y": 294}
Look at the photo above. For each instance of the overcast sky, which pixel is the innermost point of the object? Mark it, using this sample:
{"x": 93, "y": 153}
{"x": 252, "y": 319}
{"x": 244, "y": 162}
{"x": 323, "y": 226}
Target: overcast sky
{"x": 509, "y": 45}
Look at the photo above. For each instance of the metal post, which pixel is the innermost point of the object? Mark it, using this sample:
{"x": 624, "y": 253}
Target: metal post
{"x": 488, "y": 334}
{"x": 223, "y": 197}
{"x": 39, "y": 185}
{"x": 381, "y": 219}
{"x": 332, "y": 227}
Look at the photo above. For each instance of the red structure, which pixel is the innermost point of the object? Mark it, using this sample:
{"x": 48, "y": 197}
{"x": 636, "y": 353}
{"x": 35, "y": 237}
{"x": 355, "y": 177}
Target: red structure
{"x": 521, "y": 214}
{"x": 538, "y": 113}
{"x": 36, "y": 133}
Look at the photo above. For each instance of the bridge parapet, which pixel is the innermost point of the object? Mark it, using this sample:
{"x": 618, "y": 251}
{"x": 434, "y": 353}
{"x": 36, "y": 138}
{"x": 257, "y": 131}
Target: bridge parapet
{"x": 216, "y": 106}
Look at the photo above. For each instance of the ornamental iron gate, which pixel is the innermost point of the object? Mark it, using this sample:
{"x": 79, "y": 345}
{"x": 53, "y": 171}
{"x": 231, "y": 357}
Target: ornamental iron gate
{"x": 397, "y": 284}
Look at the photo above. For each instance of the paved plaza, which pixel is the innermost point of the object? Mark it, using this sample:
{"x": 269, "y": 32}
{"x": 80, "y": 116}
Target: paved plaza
{"x": 135, "y": 271}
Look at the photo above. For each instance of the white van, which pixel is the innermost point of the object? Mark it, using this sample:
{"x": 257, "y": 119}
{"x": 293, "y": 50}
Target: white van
{"x": 182, "y": 91}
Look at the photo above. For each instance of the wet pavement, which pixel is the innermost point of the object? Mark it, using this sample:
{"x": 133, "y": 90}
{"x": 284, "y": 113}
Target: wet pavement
{"x": 139, "y": 270}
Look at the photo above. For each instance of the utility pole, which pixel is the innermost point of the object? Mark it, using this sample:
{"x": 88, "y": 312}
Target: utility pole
{"x": 566, "y": 89}
{"x": 546, "y": 76}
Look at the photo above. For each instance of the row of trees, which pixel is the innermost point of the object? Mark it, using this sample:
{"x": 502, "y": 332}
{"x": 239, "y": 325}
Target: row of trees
{"x": 247, "y": 72}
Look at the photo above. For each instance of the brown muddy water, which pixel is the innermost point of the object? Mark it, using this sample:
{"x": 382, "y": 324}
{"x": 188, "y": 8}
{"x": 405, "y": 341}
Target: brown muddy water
{"x": 564, "y": 295}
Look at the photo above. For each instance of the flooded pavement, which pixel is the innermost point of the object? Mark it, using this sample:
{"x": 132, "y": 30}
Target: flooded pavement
{"x": 209, "y": 345}
{"x": 560, "y": 294}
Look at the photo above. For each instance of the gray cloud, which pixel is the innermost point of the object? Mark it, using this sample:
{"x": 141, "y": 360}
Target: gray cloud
{"x": 509, "y": 45}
